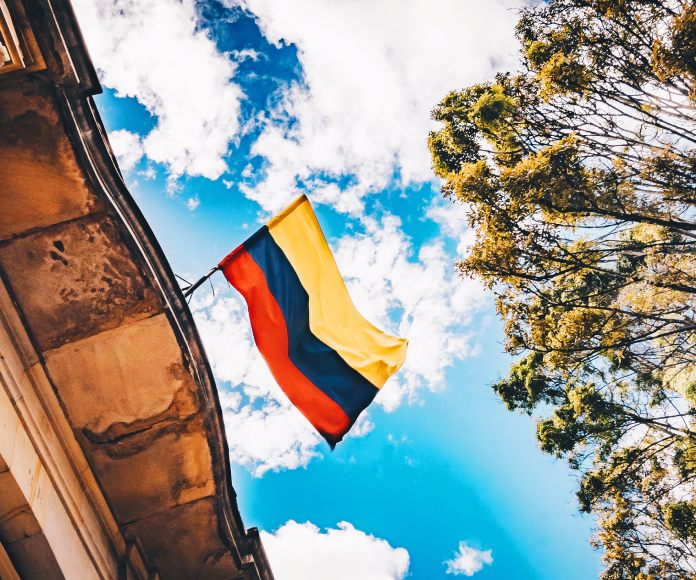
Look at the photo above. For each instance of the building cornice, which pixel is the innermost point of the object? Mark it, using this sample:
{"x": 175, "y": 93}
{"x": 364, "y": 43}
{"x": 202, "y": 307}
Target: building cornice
{"x": 70, "y": 80}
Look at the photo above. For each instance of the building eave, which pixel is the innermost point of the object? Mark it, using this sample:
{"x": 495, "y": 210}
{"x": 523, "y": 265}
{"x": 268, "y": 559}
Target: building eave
{"x": 69, "y": 81}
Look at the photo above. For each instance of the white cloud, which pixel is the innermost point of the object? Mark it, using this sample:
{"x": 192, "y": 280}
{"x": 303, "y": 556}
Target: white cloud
{"x": 303, "y": 552}
{"x": 245, "y": 54}
{"x": 156, "y": 52}
{"x": 468, "y": 561}
{"x": 192, "y": 203}
{"x": 148, "y": 173}
{"x": 271, "y": 438}
{"x": 127, "y": 147}
{"x": 452, "y": 219}
{"x": 372, "y": 73}
{"x": 362, "y": 426}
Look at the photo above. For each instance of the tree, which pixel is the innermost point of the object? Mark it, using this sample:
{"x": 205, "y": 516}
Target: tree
{"x": 579, "y": 174}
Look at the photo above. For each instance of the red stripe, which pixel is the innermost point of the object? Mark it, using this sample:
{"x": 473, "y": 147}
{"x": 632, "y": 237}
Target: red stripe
{"x": 271, "y": 336}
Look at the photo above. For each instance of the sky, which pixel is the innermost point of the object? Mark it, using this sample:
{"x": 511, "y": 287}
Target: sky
{"x": 222, "y": 112}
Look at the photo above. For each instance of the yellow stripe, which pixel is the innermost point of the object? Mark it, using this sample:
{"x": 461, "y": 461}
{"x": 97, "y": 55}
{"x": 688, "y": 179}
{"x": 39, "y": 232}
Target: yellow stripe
{"x": 333, "y": 317}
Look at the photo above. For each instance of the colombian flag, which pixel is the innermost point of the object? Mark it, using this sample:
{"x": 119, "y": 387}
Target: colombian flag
{"x": 328, "y": 359}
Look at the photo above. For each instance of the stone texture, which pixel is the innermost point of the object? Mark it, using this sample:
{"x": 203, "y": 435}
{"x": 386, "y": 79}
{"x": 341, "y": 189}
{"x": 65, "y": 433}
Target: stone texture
{"x": 116, "y": 387}
{"x": 154, "y": 470}
{"x": 37, "y": 164}
{"x": 8, "y": 430}
{"x": 190, "y": 532}
{"x": 24, "y": 463}
{"x": 60, "y": 531}
{"x": 30, "y": 505}
{"x": 7, "y": 569}
{"x": 128, "y": 379}
{"x": 17, "y": 520}
{"x": 76, "y": 280}
{"x": 32, "y": 557}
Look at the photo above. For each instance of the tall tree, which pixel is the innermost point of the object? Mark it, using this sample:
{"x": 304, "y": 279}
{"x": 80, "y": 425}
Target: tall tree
{"x": 579, "y": 173}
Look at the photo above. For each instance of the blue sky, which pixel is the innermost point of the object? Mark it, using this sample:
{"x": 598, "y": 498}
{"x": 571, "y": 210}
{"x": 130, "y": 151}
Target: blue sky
{"x": 222, "y": 112}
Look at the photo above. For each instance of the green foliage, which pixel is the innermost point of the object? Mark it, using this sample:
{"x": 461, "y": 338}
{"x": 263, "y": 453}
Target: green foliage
{"x": 680, "y": 518}
{"x": 580, "y": 176}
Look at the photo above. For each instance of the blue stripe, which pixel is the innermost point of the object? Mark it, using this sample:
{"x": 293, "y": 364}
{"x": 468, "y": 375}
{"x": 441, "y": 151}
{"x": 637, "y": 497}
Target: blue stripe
{"x": 321, "y": 364}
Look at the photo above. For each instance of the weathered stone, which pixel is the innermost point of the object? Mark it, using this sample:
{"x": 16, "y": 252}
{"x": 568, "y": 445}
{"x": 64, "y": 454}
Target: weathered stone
{"x": 75, "y": 280}
{"x": 128, "y": 379}
{"x": 17, "y": 520}
{"x": 37, "y": 164}
{"x": 33, "y": 558}
{"x": 155, "y": 470}
{"x": 111, "y": 446}
{"x": 8, "y": 430}
{"x": 190, "y": 532}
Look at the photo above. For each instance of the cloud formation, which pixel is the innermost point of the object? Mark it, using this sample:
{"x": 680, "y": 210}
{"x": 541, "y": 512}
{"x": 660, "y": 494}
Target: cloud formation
{"x": 467, "y": 561}
{"x": 452, "y": 219}
{"x": 128, "y": 148}
{"x": 372, "y": 73}
{"x": 303, "y": 552}
{"x": 156, "y": 52}
{"x": 192, "y": 203}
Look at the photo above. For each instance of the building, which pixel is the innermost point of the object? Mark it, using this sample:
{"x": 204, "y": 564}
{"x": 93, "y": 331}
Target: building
{"x": 113, "y": 459}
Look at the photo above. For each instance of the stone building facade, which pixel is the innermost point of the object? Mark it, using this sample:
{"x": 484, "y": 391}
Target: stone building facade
{"x": 113, "y": 459}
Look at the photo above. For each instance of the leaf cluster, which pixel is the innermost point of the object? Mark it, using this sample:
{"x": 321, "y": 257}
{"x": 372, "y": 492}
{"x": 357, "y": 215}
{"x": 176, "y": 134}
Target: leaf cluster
{"x": 580, "y": 175}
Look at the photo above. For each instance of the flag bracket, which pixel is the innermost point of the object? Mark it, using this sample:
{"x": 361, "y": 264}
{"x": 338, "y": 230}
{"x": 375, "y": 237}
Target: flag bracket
{"x": 198, "y": 283}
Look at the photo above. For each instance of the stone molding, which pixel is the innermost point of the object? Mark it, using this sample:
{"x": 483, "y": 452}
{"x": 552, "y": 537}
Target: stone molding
{"x": 63, "y": 191}
{"x": 19, "y": 50}
{"x": 25, "y": 383}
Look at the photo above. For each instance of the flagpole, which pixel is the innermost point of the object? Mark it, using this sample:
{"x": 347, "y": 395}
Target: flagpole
{"x": 193, "y": 287}
{"x": 197, "y": 284}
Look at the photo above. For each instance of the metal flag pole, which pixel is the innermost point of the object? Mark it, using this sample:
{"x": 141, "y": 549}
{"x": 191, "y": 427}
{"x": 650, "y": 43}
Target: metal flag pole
{"x": 191, "y": 288}
{"x": 197, "y": 284}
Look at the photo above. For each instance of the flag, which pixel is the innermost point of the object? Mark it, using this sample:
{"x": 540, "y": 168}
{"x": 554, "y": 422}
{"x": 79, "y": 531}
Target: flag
{"x": 326, "y": 357}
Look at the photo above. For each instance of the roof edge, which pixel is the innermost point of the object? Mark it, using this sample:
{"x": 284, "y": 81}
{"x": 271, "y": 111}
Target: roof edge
{"x": 75, "y": 81}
